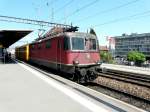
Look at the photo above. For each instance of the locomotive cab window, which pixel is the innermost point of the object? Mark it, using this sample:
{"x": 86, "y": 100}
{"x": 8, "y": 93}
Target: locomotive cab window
{"x": 92, "y": 44}
{"x": 77, "y": 43}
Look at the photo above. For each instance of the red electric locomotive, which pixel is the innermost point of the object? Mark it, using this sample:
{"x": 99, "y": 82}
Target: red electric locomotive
{"x": 69, "y": 51}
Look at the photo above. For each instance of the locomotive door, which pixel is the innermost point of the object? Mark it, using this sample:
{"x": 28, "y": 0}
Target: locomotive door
{"x": 59, "y": 48}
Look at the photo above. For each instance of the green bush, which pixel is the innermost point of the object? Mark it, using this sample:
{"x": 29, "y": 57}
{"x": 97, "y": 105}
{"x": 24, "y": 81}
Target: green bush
{"x": 106, "y": 57}
{"x": 136, "y": 56}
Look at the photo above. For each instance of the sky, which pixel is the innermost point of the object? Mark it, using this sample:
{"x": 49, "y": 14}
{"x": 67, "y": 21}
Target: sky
{"x": 106, "y": 17}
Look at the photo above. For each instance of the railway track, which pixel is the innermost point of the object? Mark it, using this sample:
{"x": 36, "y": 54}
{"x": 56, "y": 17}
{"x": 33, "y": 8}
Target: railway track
{"x": 131, "y": 84}
{"x": 128, "y": 87}
{"x": 136, "y": 101}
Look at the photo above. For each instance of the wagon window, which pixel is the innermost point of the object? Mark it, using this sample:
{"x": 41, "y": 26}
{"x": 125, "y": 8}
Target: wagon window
{"x": 77, "y": 43}
{"x": 48, "y": 44}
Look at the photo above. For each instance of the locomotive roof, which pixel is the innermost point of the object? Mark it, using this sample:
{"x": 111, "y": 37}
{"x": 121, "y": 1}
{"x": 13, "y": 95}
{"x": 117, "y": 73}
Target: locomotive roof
{"x": 68, "y": 34}
{"x": 80, "y": 34}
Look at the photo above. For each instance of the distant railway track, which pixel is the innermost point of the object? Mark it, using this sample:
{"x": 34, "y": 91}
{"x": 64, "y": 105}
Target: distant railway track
{"x": 138, "y": 79}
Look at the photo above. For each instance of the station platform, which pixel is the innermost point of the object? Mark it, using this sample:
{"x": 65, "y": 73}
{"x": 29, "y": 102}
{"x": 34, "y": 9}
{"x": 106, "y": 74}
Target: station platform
{"x": 132, "y": 69}
{"x": 28, "y": 89}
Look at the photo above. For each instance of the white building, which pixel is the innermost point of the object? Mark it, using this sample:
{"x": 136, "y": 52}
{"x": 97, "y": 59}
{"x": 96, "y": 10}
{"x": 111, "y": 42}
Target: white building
{"x": 133, "y": 42}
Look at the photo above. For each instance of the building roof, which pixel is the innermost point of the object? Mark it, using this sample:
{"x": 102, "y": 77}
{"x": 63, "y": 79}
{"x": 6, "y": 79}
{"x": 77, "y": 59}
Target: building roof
{"x": 133, "y": 35}
{"x": 9, "y": 37}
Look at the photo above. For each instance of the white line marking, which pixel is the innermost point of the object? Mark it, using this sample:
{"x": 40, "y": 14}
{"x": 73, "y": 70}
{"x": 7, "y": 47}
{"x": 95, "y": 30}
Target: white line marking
{"x": 86, "y": 103}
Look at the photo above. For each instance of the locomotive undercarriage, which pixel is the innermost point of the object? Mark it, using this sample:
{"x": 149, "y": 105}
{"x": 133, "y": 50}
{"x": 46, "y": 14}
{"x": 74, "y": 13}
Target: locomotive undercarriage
{"x": 81, "y": 74}
{"x": 85, "y": 73}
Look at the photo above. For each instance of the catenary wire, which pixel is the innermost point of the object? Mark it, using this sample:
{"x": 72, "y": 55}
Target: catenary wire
{"x": 80, "y": 9}
{"x": 67, "y": 4}
{"x": 107, "y": 10}
{"x": 123, "y": 19}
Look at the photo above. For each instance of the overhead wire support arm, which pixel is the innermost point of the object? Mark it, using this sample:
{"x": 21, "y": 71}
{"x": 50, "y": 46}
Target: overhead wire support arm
{"x": 30, "y": 21}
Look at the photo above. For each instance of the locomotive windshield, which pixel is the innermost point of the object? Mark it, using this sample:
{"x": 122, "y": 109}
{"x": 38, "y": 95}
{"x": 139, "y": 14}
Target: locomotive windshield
{"x": 83, "y": 44}
{"x": 77, "y": 43}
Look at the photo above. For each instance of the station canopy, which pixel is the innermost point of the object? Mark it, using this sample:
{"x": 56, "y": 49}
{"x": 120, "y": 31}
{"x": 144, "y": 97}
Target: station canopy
{"x": 9, "y": 37}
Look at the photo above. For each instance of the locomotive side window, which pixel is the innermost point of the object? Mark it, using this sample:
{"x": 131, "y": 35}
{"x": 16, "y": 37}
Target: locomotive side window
{"x": 77, "y": 43}
{"x": 48, "y": 44}
{"x": 39, "y": 46}
{"x": 66, "y": 43}
{"x": 32, "y": 46}
{"x": 59, "y": 44}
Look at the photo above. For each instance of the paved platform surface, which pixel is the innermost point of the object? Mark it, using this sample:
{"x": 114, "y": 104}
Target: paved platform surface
{"x": 132, "y": 69}
{"x": 23, "y": 89}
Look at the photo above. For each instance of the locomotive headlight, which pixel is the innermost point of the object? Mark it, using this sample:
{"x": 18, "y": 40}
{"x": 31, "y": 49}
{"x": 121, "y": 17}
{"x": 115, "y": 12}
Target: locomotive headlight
{"x": 98, "y": 62}
{"x": 75, "y": 62}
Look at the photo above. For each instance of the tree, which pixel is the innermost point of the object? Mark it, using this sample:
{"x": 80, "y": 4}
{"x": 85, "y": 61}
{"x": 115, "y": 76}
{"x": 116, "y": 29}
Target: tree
{"x": 136, "y": 57}
{"x": 106, "y": 56}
